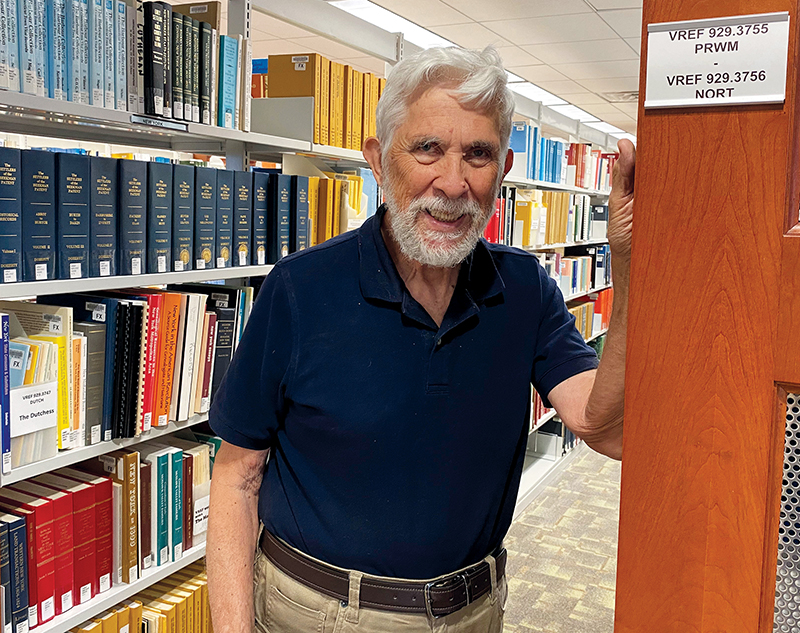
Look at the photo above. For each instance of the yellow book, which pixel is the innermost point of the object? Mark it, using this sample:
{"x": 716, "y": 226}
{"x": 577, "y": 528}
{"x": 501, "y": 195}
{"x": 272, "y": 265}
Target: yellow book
{"x": 381, "y": 87}
{"x": 337, "y": 203}
{"x": 373, "y": 105}
{"x": 347, "y": 115}
{"x": 358, "y": 109}
{"x": 90, "y": 627}
{"x": 108, "y": 622}
{"x": 202, "y": 610}
{"x": 523, "y": 214}
{"x": 123, "y": 619}
{"x": 325, "y": 210}
{"x": 33, "y": 360}
{"x": 313, "y": 202}
{"x": 64, "y": 378}
{"x": 336, "y": 104}
{"x": 302, "y": 76}
{"x": 190, "y": 593}
{"x": 134, "y": 615}
{"x": 324, "y": 134}
{"x": 366, "y": 92}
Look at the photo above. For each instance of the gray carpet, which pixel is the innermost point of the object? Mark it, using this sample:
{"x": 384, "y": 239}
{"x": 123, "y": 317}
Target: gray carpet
{"x": 562, "y": 552}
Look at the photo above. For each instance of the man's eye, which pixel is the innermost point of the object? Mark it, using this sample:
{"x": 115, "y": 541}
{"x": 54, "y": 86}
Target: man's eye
{"x": 426, "y": 147}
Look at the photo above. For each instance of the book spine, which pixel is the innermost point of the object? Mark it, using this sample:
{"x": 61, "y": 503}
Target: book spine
{"x": 10, "y": 215}
{"x": 205, "y": 212}
{"x": 205, "y": 70}
{"x": 145, "y": 510}
{"x": 120, "y": 55}
{"x": 27, "y": 46}
{"x": 5, "y": 394}
{"x": 187, "y": 67}
{"x": 151, "y": 367}
{"x": 85, "y": 568}
{"x": 246, "y": 80}
{"x": 96, "y": 68}
{"x": 73, "y": 215}
{"x": 38, "y": 215}
{"x": 205, "y": 396}
{"x": 45, "y": 568}
{"x": 243, "y": 211}
{"x": 57, "y": 48}
{"x": 3, "y": 46}
{"x": 237, "y": 92}
{"x": 12, "y": 38}
{"x": 224, "y": 243}
{"x": 84, "y": 44}
{"x": 103, "y": 217}
{"x": 188, "y": 517}
{"x": 40, "y": 52}
{"x": 18, "y": 573}
{"x": 284, "y": 212}
{"x": 224, "y": 348}
{"x": 161, "y": 505}
{"x": 300, "y": 226}
{"x": 73, "y": 27}
{"x": 159, "y": 222}
{"x": 177, "y": 65}
{"x": 5, "y": 578}
{"x": 104, "y": 523}
{"x": 132, "y": 58}
{"x": 196, "y": 78}
{"x": 171, "y": 316}
{"x": 140, "y": 59}
{"x": 214, "y": 75}
{"x": 130, "y": 464}
{"x": 260, "y": 191}
{"x": 227, "y": 81}
{"x": 182, "y": 217}
{"x": 177, "y": 504}
{"x": 154, "y": 59}
{"x": 167, "y": 54}
{"x": 110, "y": 96}
{"x": 132, "y": 216}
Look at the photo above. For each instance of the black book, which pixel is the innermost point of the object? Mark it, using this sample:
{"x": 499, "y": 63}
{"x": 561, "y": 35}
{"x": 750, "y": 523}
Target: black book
{"x": 260, "y": 190}
{"x": 278, "y": 216}
{"x": 10, "y": 215}
{"x": 159, "y": 217}
{"x": 182, "y": 217}
{"x": 153, "y": 59}
{"x": 224, "y": 245}
{"x": 242, "y": 216}
{"x": 103, "y": 202}
{"x": 132, "y": 216}
{"x": 205, "y": 216}
{"x": 17, "y": 570}
{"x": 136, "y": 342}
{"x": 5, "y": 576}
{"x": 205, "y": 72}
{"x": 298, "y": 218}
{"x": 72, "y": 196}
{"x": 188, "y": 67}
{"x": 38, "y": 215}
{"x": 177, "y": 65}
{"x": 122, "y": 358}
{"x": 195, "y": 71}
{"x": 167, "y": 48}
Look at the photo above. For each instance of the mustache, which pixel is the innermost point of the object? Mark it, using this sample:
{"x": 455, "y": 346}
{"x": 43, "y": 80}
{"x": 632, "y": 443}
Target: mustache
{"x": 446, "y": 207}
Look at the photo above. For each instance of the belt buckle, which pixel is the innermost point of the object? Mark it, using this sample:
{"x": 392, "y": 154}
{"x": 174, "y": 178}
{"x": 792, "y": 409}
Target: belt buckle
{"x": 429, "y": 601}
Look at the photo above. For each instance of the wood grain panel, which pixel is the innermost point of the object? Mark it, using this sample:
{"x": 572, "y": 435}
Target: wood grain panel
{"x": 699, "y": 466}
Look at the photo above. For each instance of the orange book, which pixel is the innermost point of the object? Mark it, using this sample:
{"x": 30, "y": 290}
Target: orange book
{"x": 170, "y": 311}
{"x": 373, "y": 104}
{"x": 358, "y": 109}
{"x": 366, "y": 98}
{"x": 325, "y": 210}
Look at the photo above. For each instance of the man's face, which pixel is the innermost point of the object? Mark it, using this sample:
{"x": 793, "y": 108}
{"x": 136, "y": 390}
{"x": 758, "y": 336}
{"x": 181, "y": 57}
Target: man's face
{"x": 440, "y": 179}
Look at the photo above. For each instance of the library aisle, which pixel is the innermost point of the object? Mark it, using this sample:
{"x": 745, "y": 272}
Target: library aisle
{"x": 562, "y": 552}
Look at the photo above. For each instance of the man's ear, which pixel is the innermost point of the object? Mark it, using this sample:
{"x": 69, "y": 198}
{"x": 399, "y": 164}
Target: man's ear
{"x": 509, "y": 163}
{"x": 372, "y": 153}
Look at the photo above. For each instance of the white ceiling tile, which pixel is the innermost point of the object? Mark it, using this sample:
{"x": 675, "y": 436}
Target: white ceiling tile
{"x": 481, "y": 10}
{"x": 472, "y": 35}
{"x": 616, "y": 84}
{"x": 562, "y": 88}
{"x": 585, "y": 98}
{"x": 537, "y": 74}
{"x": 615, "y": 4}
{"x": 515, "y": 56}
{"x": 625, "y": 22}
{"x": 599, "y": 70}
{"x": 635, "y": 43}
{"x": 578, "y": 52}
{"x": 277, "y": 47}
{"x": 602, "y": 111}
{"x": 267, "y": 24}
{"x": 631, "y": 109}
{"x": 424, "y": 12}
{"x": 330, "y": 49}
{"x": 576, "y": 28}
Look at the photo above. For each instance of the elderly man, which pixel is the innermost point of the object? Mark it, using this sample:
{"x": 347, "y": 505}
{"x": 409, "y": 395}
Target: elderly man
{"x": 389, "y": 370}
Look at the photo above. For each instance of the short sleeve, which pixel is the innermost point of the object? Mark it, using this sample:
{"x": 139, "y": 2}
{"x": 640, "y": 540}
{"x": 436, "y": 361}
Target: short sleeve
{"x": 249, "y": 405}
{"x": 561, "y": 351}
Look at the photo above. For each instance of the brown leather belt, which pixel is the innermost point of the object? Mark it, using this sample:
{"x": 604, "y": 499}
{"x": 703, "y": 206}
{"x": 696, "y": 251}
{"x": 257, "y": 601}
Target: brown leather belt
{"x": 437, "y": 599}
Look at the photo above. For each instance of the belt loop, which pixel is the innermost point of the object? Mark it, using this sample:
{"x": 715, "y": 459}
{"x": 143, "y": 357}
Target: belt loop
{"x": 353, "y": 598}
{"x": 493, "y": 576}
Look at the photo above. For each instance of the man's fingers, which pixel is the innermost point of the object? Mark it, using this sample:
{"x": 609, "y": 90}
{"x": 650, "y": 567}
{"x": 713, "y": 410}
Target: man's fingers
{"x": 625, "y": 168}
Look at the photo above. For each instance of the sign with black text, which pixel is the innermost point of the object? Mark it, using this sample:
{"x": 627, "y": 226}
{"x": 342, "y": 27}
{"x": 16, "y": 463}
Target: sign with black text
{"x": 721, "y": 61}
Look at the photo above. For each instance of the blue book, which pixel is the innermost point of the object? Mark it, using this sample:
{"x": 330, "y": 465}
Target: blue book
{"x": 260, "y": 192}
{"x": 109, "y": 96}
{"x": 205, "y": 216}
{"x": 96, "y": 67}
{"x": 159, "y": 217}
{"x": 74, "y": 34}
{"x": 533, "y": 159}
{"x": 18, "y": 570}
{"x": 278, "y": 217}
{"x": 103, "y": 222}
{"x": 5, "y": 393}
{"x": 57, "y": 49}
{"x": 40, "y": 51}
{"x": 12, "y": 45}
{"x": 298, "y": 218}
{"x": 11, "y": 215}
{"x": 182, "y": 216}
{"x": 121, "y": 55}
{"x": 224, "y": 242}
{"x": 242, "y": 217}
{"x": 17, "y": 363}
{"x": 26, "y": 35}
{"x": 39, "y": 259}
{"x": 370, "y": 189}
{"x": 72, "y": 215}
{"x": 132, "y": 216}
{"x": 84, "y": 47}
{"x": 228, "y": 63}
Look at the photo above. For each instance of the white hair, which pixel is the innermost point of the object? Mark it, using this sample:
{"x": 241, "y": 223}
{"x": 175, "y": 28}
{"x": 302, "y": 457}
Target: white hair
{"x": 476, "y": 78}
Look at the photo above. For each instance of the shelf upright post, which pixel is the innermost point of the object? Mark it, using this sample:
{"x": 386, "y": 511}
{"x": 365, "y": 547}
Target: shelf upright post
{"x": 239, "y": 13}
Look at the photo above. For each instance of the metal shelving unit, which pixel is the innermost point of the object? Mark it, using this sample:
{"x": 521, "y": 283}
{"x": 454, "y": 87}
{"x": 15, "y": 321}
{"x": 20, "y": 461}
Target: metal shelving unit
{"x": 585, "y": 293}
{"x": 550, "y": 247}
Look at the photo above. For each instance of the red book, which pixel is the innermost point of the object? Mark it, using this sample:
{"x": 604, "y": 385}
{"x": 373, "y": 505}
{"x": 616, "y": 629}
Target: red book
{"x": 62, "y": 540}
{"x": 103, "y": 521}
{"x": 83, "y": 517}
{"x": 491, "y": 233}
{"x": 209, "y": 362}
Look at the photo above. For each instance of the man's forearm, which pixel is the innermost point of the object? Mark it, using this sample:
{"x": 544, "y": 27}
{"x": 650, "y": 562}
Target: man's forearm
{"x": 232, "y": 532}
{"x": 605, "y": 408}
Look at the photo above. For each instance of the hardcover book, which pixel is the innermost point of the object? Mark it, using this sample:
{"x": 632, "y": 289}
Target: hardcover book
{"x": 95, "y": 378}
{"x": 10, "y": 215}
{"x": 278, "y": 216}
{"x": 72, "y": 195}
{"x": 109, "y": 15}
{"x": 182, "y": 217}
{"x": 159, "y": 217}
{"x": 17, "y": 570}
{"x": 96, "y": 67}
{"x": 228, "y": 61}
{"x": 196, "y": 70}
{"x": 177, "y": 66}
{"x": 224, "y": 242}
{"x": 121, "y": 56}
{"x": 205, "y": 73}
{"x": 205, "y": 216}
{"x": 298, "y": 220}
{"x": 103, "y": 199}
{"x": 154, "y": 58}
{"x": 167, "y": 53}
{"x": 260, "y": 189}
{"x": 243, "y": 212}
{"x": 38, "y": 215}
{"x": 132, "y": 216}
{"x": 188, "y": 67}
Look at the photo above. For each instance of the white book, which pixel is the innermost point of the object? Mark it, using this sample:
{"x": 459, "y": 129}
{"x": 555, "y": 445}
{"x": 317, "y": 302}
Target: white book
{"x": 116, "y": 513}
{"x": 57, "y": 48}
{"x": 110, "y": 95}
{"x": 3, "y": 46}
{"x": 120, "y": 55}
{"x": 96, "y": 64}
{"x": 247, "y": 93}
{"x": 194, "y": 309}
{"x": 12, "y": 39}
{"x": 40, "y": 50}
{"x": 214, "y": 73}
{"x": 238, "y": 90}
{"x": 27, "y": 46}
{"x": 132, "y": 58}
{"x": 74, "y": 50}
{"x": 139, "y": 6}
{"x": 179, "y": 342}
{"x": 84, "y": 51}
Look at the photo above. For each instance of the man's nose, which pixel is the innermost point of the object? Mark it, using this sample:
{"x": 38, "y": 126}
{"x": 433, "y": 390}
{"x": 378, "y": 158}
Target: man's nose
{"x": 451, "y": 180}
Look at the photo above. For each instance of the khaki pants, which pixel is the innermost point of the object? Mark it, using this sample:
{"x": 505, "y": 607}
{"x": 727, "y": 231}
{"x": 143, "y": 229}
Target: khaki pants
{"x": 283, "y": 605}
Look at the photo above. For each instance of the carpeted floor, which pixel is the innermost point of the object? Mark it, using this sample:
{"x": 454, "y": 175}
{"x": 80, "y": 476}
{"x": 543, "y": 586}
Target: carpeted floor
{"x": 562, "y": 553}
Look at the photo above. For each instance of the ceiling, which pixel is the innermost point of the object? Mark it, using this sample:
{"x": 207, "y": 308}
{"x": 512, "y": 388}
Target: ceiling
{"x": 579, "y": 50}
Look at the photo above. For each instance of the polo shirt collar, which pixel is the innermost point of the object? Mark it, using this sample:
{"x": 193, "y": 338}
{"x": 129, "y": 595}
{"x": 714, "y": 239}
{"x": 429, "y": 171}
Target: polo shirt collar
{"x": 380, "y": 280}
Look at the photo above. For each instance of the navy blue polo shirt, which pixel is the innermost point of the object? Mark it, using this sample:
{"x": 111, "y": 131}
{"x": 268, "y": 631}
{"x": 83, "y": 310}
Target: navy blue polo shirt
{"x": 397, "y": 445}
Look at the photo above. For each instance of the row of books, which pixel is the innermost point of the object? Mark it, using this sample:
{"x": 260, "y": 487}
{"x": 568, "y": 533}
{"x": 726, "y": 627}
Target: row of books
{"x": 585, "y": 269}
{"x": 70, "y": 535}
{"x": 593, "y": 313}
{"x": 553, "y": 439}
{"x": 345, "y": 99}
{"x": 547, "y": 160}
{"x": 177, "y": 604}
{"x": 70, "y": 216}
{"x": 538, "y": 410}
{"x": 119, "y": 363}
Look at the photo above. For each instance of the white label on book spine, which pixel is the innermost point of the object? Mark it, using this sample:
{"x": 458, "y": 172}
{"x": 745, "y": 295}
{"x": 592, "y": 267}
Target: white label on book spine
{"x": 95, "y": 434}
{"x": 148, "y": 421}
{"x": 98, "y": 311}
{"x": 178, "y": 551}
{"x": 33, "y": 616}
{"x": 229, "y": 119}
{"x": 86, "y": 593}
{"x": 163, "y": 557}
{"x": 298, "y": 59}
{"x": 147, "y": 561}
{"x": 7, "y": 462}
{"x": 54, "y": 323}
{"x": 105, "y": 269}
{"x": 105, "y": 582}
{"x": 162, "y": 420}
{"x": 133, "y": 572}
{"x": 136, "y": 265}
{"x": 9, "y": 275}
{"x": 75, "y": 270}
{"x": 200, "y": 264}
{"x": 7, "y": 628}
{"x": 262, "y": 259}
{"x": 162, "y": 263}
{"x": 48, "y": 609}
{"x": 204, "y": 404}
{"x": 107, "y": 436}
{"x": 123, "y": 628}
{"x": 40, "y": 271}
{"x": 179, "y": 266}
{"x": 22, "y": 627}
{"x": 201, "y": 506}
{"x": 73, "y": 441}
{"x": 242, "y": 258}
{"x": 300, "y": 66}
{"x": 220, "y": 262}
{"x": 64, "y": 439}
{"x": 109, "y": 465}
{"x": 66, "y": 601}
{"x": 15, "y": 357}
{"x": 719, "y": 61}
